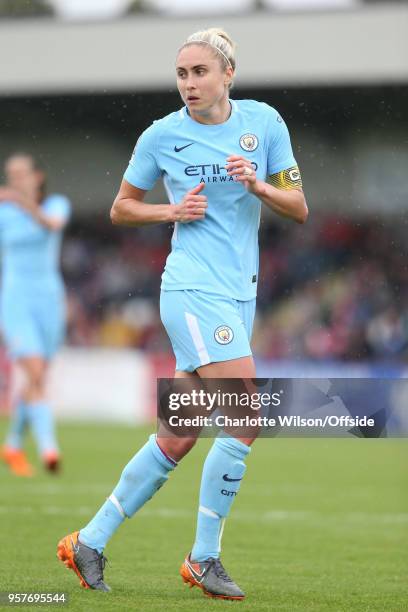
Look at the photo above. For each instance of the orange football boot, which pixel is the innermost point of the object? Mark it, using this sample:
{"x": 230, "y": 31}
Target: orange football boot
{"x": 17, "y": 461}
{"x": 52, "y": 461}
{"x": 211, "y": 577}
{"x": 87, "y": 563}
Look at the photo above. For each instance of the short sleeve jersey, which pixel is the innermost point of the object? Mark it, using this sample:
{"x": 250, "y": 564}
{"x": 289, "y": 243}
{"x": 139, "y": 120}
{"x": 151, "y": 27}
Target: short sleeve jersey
{"x": 30, "y": 252}
{"x": 218, "y": 254}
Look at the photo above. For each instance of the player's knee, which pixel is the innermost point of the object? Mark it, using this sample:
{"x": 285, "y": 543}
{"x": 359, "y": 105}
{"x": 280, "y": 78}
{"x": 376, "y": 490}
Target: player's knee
{"x": 34, "y": 372}
{"x": 34, "y": 386}
{"x": 37, "y": 382}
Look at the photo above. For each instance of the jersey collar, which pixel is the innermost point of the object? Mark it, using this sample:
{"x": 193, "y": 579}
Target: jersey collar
{"x": 234, "y": 109}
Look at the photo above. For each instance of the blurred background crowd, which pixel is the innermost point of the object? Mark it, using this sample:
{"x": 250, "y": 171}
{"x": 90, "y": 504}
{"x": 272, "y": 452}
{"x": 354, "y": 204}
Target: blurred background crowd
{"x": 337, "y": 289}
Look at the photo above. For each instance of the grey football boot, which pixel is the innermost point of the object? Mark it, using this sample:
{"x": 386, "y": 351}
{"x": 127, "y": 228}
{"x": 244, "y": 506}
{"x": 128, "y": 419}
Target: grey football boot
{"x": 87, "y": 563}
{"x": 211, "y": 577}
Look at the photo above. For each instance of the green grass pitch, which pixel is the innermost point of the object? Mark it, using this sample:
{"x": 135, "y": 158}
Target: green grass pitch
{"x": 319, "y": 524}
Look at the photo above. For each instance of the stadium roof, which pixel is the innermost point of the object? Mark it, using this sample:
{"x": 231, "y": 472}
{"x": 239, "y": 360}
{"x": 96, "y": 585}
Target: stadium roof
{"x": 363, "y": 46}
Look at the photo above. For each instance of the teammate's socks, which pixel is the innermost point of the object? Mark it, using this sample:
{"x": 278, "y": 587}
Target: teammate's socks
{"x": 18, "y": 422}
{"x": 41, "y": 420}
{"x": 145, "y": 473}
{"x": 223, "y": 471}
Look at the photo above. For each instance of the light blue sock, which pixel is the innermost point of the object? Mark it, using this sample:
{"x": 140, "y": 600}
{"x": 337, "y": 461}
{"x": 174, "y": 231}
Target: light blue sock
{"x": 18, "y": 424}
{"x": 223, "y": 471}
{"x": 145, "y": 473}
{"x": 41, "y": 421}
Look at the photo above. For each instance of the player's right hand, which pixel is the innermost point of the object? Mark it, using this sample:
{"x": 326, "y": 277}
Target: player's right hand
{"x": 192, "y": 207}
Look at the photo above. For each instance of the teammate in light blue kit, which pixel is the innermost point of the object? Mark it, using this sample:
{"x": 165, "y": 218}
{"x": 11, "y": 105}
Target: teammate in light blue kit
{"x": 220, "y": 160}
{"x": 32, "y": 301}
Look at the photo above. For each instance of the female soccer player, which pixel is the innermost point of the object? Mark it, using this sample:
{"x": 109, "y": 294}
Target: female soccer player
{"x": 32, "y": 303}
{"x": 215, "y": 156}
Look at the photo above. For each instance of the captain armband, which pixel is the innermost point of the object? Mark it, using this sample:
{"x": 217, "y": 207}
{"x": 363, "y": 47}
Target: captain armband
{"x": 286, "y": 179}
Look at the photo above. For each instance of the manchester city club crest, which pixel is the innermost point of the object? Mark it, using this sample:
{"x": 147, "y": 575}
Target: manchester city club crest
{"x": 249, "y": 142}
{"x": 224, "y": 334}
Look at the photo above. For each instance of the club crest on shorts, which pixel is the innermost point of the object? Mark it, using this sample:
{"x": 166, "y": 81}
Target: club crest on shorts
{"x": 249, "y": 142}
{"x": 224, "y": 334}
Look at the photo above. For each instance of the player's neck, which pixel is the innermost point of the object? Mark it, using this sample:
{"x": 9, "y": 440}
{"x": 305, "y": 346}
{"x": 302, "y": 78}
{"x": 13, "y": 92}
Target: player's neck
{"x": 216, "y": 114}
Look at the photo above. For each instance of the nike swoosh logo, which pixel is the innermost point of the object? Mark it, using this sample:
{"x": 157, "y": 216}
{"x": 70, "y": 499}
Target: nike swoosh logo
{"x": 225, "y": 477}
{"x": 178, "y": 149}
{"x": 196, "y": 576}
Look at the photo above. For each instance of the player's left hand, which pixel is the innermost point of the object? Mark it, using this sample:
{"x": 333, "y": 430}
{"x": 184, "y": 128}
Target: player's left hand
{"x": 243, "y": 171}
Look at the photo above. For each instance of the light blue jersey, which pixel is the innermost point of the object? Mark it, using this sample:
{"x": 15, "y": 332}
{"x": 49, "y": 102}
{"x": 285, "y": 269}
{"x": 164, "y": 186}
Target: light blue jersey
{"x": 30, "y": 253}
{"x": 218, "y": 254}
{"x": 32, "y": 291}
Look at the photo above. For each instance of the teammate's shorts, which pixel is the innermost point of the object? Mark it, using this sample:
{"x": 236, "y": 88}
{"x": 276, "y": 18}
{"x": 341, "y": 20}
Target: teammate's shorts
{"x": 206, "y": 327}
{"x": 33, "y": 325}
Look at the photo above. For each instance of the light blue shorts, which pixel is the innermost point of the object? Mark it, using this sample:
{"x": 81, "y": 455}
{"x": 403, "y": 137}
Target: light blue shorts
{"x": 206, "y": 327}
{"x": 32, "y": 326}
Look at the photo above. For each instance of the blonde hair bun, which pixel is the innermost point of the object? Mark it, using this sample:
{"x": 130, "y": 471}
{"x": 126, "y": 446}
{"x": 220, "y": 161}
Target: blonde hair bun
{"x": 219, "y": 40}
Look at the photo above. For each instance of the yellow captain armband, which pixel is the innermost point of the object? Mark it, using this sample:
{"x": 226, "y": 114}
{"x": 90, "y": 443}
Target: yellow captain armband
{"x": 286, "y": 179}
